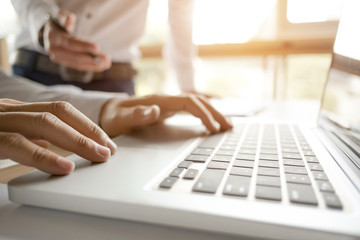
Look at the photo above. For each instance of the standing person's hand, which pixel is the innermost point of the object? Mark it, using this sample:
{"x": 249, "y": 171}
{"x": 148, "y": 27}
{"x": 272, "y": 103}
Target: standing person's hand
{"x": 70, "y": 51}
{"x": 56, "y": 122}
{"x": 120, "y": 116}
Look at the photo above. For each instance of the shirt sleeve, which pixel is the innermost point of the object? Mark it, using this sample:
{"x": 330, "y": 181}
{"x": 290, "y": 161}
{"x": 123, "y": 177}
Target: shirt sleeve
{"x": 89, "y": 103}
{"x": 179, "y": 49}
{"x": 33, "y": 15}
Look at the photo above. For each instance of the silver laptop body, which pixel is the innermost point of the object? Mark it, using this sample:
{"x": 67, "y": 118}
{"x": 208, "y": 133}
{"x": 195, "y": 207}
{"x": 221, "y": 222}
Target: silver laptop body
{"x": 266, "y": 178}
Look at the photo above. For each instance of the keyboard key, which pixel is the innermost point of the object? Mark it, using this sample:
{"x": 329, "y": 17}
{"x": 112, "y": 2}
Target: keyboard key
{"x": 212, "y": 141}
{"x": 303, "y": 194}
{"x": 325, "y": 186}
{"x": 246, "y": 157}
{"x": 268, "y": 193}
{"x": 288, "y": 145}
{"x": 268, "y": 181}
{"x": 230, "y": 142}
{"x": 269, "y": 157}
{"x": 290, "y": 150}
{"x": 295, "y": 170}
{"x": 176, "y": 172}
{"x": 268, "y": 151}
{"x": 292, "y": 156}
{"x": 296, "y": 178}
{"x": 247, "y": 151}
{"x": 168, "y": 182}
{"x": 315, "y": 167}
{"x": 268, "y": 172}
{"x": 237, "y": 186}
{"x": 268, "y": 146}
{"x": 266, "y": 163}
{"x": 309, "y": 153}
{"x": 225, "y": 152}
{"x": 320, "y": 175}
{"x": 217, "y": 165}
{"x": 243, "y": 163}
{"x": 305, "y": 147}
{"x": 203, "y": 151}
{"x": 184, "y": 164}
{"x": 191, "y": 173}
{"x": 209, "y": 181}
{"x": 311, "y": 159}
{"x": 293, "y": 162}
{"x": 228, "y": 147}
{"x": 197, "y": 158}
{"x": 221, "y": 158}
{"x": 250, "y": 146}
{"x": 332, "y": 201}
{"x": 241, "y": 171}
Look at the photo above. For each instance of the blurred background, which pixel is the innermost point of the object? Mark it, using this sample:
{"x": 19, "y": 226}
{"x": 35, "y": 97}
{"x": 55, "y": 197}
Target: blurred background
{"x": 248, "y": 49}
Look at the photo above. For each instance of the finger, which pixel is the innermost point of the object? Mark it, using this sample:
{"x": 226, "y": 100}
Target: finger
{"x": 50, "y": 128}
{"x": 10, "y": 101}
{"x": 189, "y": 103}
{"x": 71, "y": 116}
{"x": 41, "y": 143}
{"x": 67, "y": 19}
{"x": 58, "y": 38}
{"x": 224, "y": 123}
{"x": 126, "y": 119}
{"x": 16, "y": 147}
{"x": 80, "y": 61}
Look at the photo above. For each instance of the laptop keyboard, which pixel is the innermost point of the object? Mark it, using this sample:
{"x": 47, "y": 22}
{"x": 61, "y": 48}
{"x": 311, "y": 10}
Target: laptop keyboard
{"x": 278, "y": 157}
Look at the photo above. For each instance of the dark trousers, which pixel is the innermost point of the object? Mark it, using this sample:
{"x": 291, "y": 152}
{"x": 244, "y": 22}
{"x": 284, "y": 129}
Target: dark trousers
{"x": 105, "y": 84}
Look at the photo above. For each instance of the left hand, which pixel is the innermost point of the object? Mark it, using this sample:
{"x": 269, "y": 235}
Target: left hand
{"x": 120, "y": 116}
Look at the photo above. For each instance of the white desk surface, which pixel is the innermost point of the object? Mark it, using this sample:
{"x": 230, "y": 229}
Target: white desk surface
{"x": 24, "y": 222}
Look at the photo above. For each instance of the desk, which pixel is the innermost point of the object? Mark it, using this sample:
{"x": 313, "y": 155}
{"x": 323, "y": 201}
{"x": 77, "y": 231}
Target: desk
{"x": 23, "y": 222}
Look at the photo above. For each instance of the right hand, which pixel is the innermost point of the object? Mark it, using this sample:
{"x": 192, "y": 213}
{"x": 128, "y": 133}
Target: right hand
{"x": 70, "y": 51}
{"x": 56, "y": 122}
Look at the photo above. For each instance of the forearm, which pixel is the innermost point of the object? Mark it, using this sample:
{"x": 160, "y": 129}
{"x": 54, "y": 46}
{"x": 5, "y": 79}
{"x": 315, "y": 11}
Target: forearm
{"x": 89, "y": 103}
{"x": 180, "y": 50}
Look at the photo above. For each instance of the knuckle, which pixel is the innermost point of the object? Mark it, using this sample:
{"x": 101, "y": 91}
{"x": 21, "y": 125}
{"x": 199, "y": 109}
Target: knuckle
{"x": 45, "y": 119}
{"x": 82, "y": 141}
{"x": 11, "y": 139}
{"x": 96, "y": 130}
{"x": 39, "y": 155}
{"x": 61, "y": 107}
{"x": 3, "y": 107}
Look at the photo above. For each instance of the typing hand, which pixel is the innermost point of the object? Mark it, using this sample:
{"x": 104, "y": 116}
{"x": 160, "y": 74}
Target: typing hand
{"x": 56, "y": 122}
{"x": 122, "y": 116}
{"x": 69, "y": 51}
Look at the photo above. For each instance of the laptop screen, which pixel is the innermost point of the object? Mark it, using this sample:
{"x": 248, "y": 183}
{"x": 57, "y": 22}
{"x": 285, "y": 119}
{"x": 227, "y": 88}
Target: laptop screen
{"x": 341, "y": 97}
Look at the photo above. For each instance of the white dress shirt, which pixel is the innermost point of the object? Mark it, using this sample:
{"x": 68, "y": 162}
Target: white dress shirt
{"x": 89, "y": 103}
{"x": 116, "y": 26}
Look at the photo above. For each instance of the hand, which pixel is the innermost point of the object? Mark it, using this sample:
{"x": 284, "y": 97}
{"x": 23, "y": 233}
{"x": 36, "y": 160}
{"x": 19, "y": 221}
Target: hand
{"x": 56, "y": 122}
{"x": 122, "y": 116}
{"x": 70, "y": 51}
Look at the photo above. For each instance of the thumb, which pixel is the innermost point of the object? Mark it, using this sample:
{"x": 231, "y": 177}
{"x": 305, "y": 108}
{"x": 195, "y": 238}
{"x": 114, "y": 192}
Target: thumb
{"x": 67, "y": 19}
{"x": 130, "y": 118}
{"x": 141, "y": 116}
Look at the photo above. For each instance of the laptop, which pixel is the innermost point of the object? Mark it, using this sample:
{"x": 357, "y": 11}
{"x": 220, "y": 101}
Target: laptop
{"x": 266, "y": 178}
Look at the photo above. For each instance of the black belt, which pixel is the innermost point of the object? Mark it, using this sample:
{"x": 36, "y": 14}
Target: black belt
{"x": 42, "y": 63}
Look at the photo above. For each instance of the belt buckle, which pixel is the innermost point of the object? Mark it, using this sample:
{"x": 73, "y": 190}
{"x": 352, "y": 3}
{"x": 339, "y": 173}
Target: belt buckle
{"x": 69, "y": 74}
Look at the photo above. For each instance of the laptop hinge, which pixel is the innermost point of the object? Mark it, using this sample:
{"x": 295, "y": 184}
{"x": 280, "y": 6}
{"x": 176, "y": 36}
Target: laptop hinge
{"x": 348, "y": 161}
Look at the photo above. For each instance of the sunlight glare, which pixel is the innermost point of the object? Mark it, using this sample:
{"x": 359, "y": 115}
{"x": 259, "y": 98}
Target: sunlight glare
{"x": 229, "y": 21}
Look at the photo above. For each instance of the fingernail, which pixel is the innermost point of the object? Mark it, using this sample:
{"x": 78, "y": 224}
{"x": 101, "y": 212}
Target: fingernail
{"x": 147, "y": 112}
{"x": 217, "y": 126}
{"x": 65, "y": 164}
{"x": 103, "y": 151}
{"x": 111, "y": 145}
